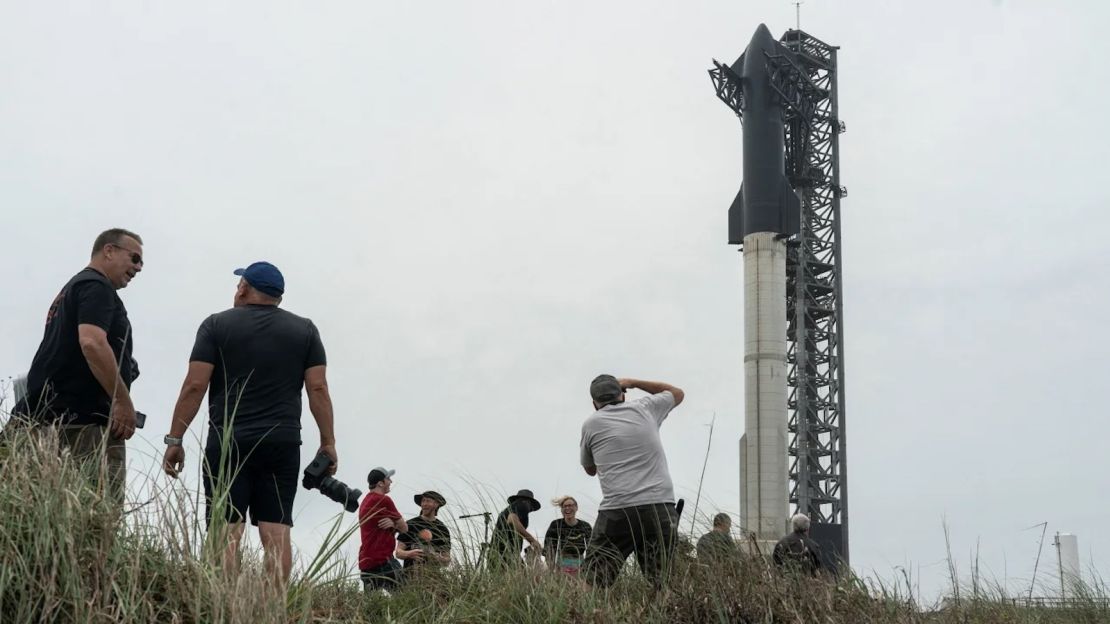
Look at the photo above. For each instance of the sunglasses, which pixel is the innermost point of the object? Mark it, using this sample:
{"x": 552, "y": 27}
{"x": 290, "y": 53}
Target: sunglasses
{"x": 136, "y": 258}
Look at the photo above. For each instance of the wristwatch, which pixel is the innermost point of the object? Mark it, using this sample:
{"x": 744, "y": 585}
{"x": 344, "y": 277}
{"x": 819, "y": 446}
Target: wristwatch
{"x": 172, "y": 441}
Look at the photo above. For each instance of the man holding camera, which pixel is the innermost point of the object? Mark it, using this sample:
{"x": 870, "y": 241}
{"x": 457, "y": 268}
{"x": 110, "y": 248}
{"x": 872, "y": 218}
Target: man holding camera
{"x": 621, "y": 446}
{"x": 81, "y": 375}
{"x": 253, "y": 360}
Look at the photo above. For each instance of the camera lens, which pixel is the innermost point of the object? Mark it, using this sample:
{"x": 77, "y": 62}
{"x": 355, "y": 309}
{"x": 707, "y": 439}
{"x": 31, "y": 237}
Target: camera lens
{"x": 339, "y": 492}
{"x": 316, "y": 477}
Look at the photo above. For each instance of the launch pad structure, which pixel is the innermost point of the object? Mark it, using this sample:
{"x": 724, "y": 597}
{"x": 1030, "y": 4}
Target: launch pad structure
{"x": 803, "y": 82}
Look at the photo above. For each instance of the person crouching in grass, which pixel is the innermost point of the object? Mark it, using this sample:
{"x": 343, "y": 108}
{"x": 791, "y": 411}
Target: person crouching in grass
{"x": 510, "y": 531}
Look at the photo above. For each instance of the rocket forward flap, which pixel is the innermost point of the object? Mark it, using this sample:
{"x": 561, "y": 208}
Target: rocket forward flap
{"x": 736, "y": 219}
{"x": 738, "y": 67}
{"x": 782, "y": 215}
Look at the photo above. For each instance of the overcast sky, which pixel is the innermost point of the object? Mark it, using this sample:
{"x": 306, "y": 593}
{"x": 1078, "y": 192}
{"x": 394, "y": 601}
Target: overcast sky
{"x": 483, "y": 205}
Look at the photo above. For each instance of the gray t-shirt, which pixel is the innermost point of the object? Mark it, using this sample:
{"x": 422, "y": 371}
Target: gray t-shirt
{"x": 623, "y": 442}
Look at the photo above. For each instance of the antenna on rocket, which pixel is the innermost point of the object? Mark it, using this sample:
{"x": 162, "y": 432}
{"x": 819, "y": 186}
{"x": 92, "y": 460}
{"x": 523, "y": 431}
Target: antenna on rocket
{"x": 798, "y": 15}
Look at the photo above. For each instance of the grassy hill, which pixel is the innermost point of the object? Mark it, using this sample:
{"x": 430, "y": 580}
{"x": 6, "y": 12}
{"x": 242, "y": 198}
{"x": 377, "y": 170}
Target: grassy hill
{"x": 67, "y": 555}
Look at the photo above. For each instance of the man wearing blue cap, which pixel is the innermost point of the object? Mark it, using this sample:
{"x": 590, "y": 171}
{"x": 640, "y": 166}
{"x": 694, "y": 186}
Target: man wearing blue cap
{"x": 253, "y": 360}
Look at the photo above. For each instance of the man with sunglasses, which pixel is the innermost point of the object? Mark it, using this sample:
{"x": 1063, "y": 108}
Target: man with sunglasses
{"x": 253, "y": 361}
{"x": 81, "y": 375}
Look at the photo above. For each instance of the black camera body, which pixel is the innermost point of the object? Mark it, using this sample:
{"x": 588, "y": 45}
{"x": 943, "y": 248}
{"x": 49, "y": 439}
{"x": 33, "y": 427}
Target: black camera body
{"x": 316, "y": 477}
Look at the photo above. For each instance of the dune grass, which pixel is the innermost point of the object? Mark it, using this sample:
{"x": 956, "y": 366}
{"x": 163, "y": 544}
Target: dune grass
{"x": 68, "y": 555}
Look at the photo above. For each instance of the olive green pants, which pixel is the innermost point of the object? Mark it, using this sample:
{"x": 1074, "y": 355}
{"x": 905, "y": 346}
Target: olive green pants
{"x": 103, "y": 454}
{"x": 99, "y": 453}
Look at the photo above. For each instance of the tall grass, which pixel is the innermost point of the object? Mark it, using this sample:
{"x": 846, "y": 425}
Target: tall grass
{"x": 67, "y": 554}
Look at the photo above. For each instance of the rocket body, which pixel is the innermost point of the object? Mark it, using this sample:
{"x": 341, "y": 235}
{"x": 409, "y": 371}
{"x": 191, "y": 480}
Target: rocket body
{"x": 765, "y": 212}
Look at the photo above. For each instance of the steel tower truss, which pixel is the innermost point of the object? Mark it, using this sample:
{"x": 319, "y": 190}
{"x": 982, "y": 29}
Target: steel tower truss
{"x": 805, "y": 82}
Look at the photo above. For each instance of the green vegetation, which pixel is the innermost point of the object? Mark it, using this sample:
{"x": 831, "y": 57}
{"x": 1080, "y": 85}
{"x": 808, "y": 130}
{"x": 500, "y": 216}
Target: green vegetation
{"x": 66, "y": 555}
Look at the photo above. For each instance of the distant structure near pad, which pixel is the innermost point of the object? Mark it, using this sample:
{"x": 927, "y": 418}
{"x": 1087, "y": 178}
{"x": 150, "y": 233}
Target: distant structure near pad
{"x": 786, "y": 217}
{"x": 1070, "y": 572}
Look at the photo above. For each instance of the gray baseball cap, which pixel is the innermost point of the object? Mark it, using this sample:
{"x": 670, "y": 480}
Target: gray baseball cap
{"x": 378, "y": 474}
{"x": 605, "y": 389}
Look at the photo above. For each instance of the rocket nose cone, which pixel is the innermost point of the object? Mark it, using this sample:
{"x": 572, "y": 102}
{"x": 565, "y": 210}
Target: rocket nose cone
{"x": 762, "y": 37}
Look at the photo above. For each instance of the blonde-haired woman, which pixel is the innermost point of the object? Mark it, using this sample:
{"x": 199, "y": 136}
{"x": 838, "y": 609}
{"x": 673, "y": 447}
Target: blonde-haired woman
{"x": 566, "y": 538}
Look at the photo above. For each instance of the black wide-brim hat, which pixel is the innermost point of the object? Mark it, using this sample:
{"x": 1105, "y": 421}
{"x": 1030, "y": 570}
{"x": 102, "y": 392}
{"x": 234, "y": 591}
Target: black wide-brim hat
{"x": 436, "y": 496}
{"x": 526, "y": 495}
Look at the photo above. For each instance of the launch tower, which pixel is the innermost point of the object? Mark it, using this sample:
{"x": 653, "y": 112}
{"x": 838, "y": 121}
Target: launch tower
{"x": 802, "y": 79}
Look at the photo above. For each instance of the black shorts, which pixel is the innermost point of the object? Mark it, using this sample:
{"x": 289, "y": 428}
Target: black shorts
{"x": 259, "y": 477}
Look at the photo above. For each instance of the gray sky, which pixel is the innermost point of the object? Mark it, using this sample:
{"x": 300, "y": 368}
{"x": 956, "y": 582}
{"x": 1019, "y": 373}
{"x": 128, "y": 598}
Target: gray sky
{"x": 483, "y": 205}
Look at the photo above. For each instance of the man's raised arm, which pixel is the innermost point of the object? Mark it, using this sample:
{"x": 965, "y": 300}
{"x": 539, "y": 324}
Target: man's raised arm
{"x": 653, "y": 387}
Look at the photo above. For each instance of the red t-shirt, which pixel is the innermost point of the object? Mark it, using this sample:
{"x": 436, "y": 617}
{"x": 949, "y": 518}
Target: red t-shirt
{"x": 377, "y": 544}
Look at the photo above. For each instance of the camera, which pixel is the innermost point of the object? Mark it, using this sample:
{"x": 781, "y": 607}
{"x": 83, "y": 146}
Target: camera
{"x": 316, "y": 478}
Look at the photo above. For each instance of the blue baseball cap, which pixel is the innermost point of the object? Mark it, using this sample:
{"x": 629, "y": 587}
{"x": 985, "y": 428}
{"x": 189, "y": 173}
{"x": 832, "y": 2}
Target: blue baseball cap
{"x": 264, "y": 277}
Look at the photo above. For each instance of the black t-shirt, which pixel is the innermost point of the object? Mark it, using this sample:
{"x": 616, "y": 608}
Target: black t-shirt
{"x": 505, "y": 541}
{"x": 565, "y": 540}
{"x": 440, "y": 542}
{"x": 260, "y": 354}
{"x": 60, "y": 385}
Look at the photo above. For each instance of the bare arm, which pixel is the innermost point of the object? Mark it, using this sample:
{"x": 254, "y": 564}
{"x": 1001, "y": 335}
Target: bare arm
{"x": 523, "y": 532}
{"x": 319, "y": 403}
{"x": 184, "y": 411}
{"x": 102, "y": 362}
{"x": 653, "y": 387}
{"x": 401, "y": 525}
{"x": 192, "y": 393}
{"x": 404, "y": 553}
